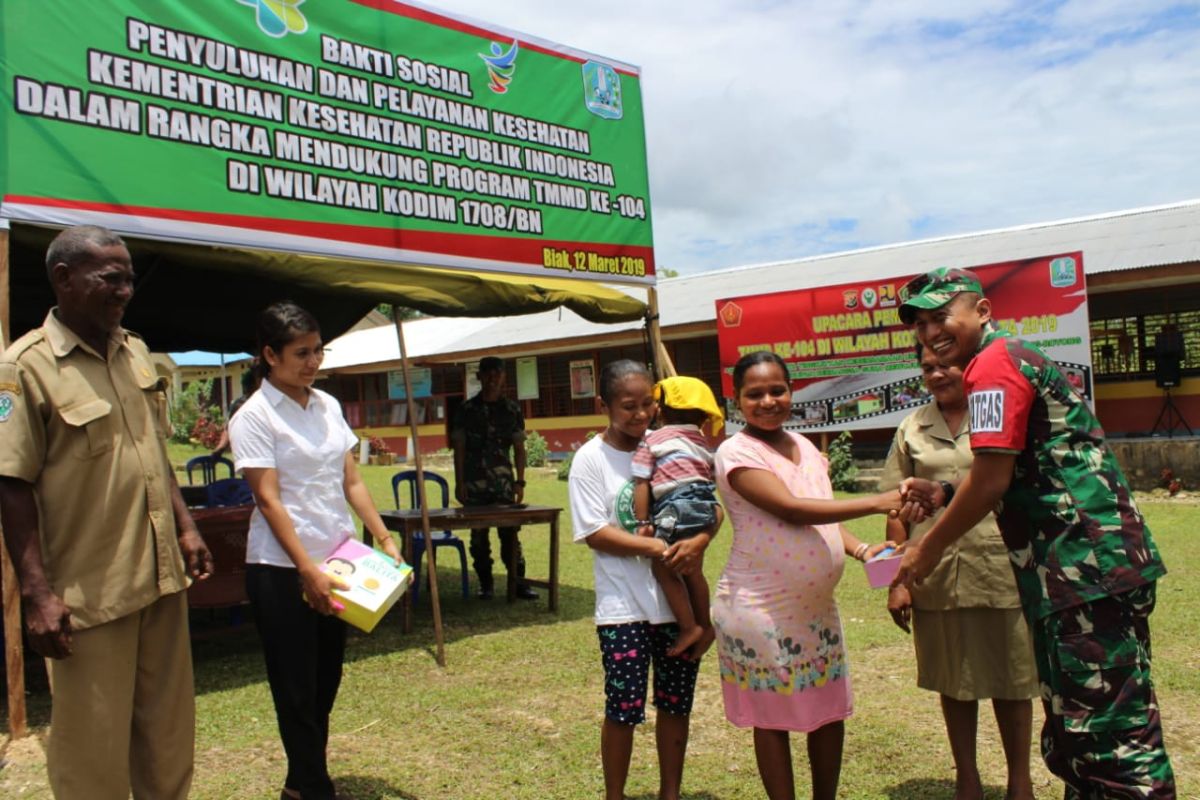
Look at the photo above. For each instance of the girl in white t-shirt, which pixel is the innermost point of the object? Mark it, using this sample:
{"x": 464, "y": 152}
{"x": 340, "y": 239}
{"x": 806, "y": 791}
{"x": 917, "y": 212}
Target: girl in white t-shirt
{"x": 633, "y": 620}
{"x": 295, "y": 449}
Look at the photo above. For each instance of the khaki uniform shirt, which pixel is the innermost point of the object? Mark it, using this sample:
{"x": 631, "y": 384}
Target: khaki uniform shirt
{"x": 975, "y": 571}
{"x": 88, "y": 434}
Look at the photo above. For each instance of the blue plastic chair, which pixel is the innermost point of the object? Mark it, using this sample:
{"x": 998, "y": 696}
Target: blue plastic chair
{"x": 408, "y": 477}
{"x": 230, "y": 492}
{"x": 208, "y": 468}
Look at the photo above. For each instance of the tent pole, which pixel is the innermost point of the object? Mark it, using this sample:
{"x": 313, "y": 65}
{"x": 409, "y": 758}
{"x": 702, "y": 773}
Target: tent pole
{"x": 224, "y": 391}
{"x": 430, "y": 559}
{"x": 4, "y": 282}
{"x": 13, "y": 654}
{"x": 663, "y": 366}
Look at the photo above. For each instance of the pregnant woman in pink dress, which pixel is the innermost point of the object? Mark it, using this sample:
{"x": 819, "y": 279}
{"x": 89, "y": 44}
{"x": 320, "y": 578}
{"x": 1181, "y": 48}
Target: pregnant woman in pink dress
{"x": 779, "y": 637}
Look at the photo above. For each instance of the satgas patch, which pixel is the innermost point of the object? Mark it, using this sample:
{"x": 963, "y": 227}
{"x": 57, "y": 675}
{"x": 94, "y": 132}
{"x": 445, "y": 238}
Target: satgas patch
{"x": 8, "y": 401}
{"x": 987, "y": 411}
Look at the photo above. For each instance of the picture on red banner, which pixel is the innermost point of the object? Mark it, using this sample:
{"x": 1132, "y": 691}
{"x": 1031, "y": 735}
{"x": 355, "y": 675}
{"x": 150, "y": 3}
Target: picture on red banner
{"x": 851, "y": 360}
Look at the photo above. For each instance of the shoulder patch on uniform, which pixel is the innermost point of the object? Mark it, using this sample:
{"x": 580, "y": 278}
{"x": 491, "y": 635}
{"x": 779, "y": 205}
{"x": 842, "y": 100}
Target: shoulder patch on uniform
{"x": 7, "y": 402}
{"x": 10, "y": 378}
{"x": 27, "y": 341}
{"x": 987, "y": 411}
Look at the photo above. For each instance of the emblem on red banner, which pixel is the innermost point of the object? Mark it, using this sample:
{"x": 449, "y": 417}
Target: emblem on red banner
{"x": 850, "y": 298}
{"x": 887, "y": 295}
{"x": 731, "y": 315}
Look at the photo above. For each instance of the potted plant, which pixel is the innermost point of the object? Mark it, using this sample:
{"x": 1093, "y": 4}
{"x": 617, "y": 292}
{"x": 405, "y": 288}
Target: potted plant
{"x": 380, "y": 452}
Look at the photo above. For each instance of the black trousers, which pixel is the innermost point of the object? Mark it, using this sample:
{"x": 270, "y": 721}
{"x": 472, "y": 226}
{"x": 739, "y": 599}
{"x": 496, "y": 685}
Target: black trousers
{"x": 304, "y": 652}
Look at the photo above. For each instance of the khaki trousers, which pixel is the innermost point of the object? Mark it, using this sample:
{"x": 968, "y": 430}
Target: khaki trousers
{"x": 123, "y": 715}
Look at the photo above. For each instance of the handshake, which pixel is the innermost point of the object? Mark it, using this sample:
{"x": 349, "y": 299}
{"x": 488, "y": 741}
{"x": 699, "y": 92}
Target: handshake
{"x": 915, "y": 499}
{"x": 922, "y": 497}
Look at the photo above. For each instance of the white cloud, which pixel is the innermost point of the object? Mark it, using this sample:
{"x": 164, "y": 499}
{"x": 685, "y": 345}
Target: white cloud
{"x": 768, "y": 124}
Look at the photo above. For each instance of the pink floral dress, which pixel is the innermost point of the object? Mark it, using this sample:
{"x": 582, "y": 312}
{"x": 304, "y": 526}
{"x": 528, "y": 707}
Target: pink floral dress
{"x": 779, "y": 636}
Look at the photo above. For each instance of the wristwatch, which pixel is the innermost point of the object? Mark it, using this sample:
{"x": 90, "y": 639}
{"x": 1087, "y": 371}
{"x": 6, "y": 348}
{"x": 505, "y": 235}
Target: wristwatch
{"x": 948, "y": 491}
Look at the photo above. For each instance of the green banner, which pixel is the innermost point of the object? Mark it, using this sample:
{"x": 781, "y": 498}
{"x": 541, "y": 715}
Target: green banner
{"x": 354, "y": 128}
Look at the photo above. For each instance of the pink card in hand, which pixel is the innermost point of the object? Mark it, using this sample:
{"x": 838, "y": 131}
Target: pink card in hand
{"x": 882, "y": 569}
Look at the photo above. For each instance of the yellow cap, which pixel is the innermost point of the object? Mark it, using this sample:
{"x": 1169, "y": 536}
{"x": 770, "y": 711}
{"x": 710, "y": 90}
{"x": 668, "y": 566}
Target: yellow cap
{"x": 689, "y": 393}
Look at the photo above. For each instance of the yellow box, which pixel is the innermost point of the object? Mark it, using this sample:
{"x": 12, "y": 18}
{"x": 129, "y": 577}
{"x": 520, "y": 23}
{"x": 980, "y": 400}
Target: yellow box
{"x": 376, "y": 582}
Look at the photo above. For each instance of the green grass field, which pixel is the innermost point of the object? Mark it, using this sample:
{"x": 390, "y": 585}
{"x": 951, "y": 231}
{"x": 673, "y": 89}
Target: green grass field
{"x": 517, "y": 710}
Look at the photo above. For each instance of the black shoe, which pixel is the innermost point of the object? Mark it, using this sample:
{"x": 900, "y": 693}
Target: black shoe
{"x": 485, "y": 594}
{"x": 525, "y": 593}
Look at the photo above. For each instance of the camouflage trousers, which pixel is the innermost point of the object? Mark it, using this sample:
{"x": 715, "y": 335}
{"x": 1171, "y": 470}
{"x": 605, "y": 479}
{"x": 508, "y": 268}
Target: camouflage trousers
{"x": 1103, "y": 735}
{"x": 511, "y": 554}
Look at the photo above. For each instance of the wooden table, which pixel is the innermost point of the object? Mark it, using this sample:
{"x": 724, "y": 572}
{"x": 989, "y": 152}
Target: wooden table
{"x": 408, "y": 522}
{"x": 224, "y": 529}
{"x": 194, "y": 496}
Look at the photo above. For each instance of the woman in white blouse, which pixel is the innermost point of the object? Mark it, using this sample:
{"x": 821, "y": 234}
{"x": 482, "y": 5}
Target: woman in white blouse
{"x": 296, "y": 451}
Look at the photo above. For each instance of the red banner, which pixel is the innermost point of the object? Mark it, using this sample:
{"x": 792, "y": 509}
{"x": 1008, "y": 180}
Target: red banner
{"x": 851, "y": 360}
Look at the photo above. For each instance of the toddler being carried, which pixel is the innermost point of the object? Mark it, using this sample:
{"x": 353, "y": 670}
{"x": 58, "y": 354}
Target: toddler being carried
{"x": 675, "y": 497}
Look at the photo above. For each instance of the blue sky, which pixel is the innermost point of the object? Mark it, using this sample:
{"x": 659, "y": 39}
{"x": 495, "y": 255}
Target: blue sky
{"x": 777, "y": 130}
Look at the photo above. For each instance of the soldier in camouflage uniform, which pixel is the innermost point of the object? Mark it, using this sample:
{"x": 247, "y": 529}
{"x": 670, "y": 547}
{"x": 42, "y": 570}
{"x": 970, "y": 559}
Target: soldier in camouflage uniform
{"x": 484, "y": 429}
{"x": 1085, "y": 562}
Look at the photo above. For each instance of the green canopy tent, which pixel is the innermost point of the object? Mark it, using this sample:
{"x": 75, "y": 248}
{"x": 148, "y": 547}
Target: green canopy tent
{"x": 194, "y": 296}
{"x": 344, "y": 154}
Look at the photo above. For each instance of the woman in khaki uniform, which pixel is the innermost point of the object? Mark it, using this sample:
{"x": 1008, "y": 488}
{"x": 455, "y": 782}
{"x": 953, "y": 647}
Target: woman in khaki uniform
{"x": 972, "y": 642}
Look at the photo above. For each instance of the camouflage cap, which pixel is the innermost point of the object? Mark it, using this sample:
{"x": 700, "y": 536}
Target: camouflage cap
{"x": 934, "y": 289}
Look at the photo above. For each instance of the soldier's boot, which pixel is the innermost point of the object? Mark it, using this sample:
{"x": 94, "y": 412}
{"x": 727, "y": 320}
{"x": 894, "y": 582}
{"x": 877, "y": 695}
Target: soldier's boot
{"x": 487, "y": 587}
{"x": 524, "y": 592}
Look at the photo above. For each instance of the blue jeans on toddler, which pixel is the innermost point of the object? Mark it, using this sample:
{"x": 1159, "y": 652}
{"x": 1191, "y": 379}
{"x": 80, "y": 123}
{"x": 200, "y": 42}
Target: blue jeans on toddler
{"x": 685, "y": 511}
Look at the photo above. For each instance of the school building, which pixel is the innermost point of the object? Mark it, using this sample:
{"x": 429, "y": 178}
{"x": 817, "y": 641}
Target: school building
{"x": 1142, "y": 268}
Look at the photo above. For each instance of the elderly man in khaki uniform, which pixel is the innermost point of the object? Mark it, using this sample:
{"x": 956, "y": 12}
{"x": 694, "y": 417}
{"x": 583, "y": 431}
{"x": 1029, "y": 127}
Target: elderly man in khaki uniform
{"x": 99, "y": 534}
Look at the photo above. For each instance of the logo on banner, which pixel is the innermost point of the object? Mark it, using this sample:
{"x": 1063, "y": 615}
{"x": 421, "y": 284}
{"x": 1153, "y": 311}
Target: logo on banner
{"x": 1062, "y": 272}
{"x": 987, "y": 411}
{"x": 869, "y": 297}
{"x": 731, "y": 315}
{"x": 501, "y": 65}
{"x": 602, "y": 90}
{"x": 278, "y": 18}
{"x": 887, "y": 295}
{"x": 850, "y": 298}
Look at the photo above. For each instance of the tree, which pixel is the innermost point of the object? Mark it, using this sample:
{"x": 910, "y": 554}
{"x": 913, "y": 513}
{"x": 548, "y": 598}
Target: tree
{"x": 405, "y": 312}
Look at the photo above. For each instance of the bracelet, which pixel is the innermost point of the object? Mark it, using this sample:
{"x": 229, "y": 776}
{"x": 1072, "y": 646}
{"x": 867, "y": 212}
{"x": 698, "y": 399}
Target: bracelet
{"x": 861, "y": 550}
{"x": 640, "y": 522}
